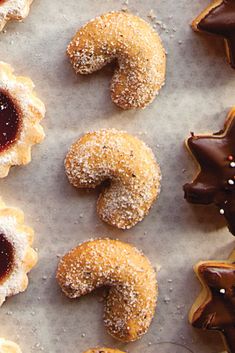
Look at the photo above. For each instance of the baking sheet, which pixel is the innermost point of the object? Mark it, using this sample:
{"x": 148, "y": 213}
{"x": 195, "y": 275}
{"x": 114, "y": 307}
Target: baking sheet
{"x": 199, "y": 91}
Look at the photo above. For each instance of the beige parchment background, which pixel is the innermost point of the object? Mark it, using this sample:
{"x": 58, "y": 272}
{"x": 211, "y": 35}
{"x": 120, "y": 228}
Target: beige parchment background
{"x": 199, "y": 91}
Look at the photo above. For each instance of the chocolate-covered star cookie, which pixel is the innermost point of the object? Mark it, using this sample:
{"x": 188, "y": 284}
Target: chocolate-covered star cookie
{"x": 214, "y": 309}
{"x": 215, "y": 182}
{"x": 219, "y": 19}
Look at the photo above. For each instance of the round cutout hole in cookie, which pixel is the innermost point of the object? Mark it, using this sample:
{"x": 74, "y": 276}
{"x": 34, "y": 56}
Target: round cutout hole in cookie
{"x": 10, "y": 120}
{"x": 6, "y": 257}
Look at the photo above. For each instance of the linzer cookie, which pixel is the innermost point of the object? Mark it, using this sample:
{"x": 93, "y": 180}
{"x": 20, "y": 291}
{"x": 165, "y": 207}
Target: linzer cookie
{"x": 215, "y": 307}
{"x": 20, "y": 115}
{"x": 9, "y": 346}
{"x": 17, "y": 257}
{"x": 13, "y": 10}
{"x": 219, "y": 19}
{"x": 215, "y": 181}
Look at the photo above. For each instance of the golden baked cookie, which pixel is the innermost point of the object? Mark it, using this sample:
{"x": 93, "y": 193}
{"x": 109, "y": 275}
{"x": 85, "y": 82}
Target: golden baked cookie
{"x": 131, "y": 301}
{"x": 13, "y": 10}
{"x": 219, "y": 19}
{"x": 17, "y": 257}
{"x": 20, "y": 115}
{"x": 103, "y": 350}
{"x": 134, "y": 44}
{"x": 9, "y": 346}
{"x": 127, "y": 163}
{"x": 214, "y": 309}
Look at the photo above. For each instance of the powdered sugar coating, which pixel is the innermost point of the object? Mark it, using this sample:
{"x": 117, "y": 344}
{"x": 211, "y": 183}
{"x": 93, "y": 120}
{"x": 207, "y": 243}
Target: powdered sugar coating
{"x": 138, "y": 49}
{"x": 131, "y": 301}
{"x": 32, "y": 111}
{"x": 103, "y": 350}
{"x": 20, "y": 237}
{"x": 127, "y": 163}
{"x": 13, "y": 10}
{"x": 9, "y": 346}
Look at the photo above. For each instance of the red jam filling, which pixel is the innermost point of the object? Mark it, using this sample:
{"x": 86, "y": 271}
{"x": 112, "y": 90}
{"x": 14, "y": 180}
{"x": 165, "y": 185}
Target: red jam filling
{"x": 9, "y": 121}
{"x": 6, "y": 257}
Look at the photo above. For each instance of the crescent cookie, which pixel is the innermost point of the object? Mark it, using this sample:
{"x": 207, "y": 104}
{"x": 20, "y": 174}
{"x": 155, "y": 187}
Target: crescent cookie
{"x": 13, "y": 10}
{"x": 17, "y": 257}
{"x": 137, "y": 48}
{"x": 20, "y": 115}
{"x": 214, "y": 309}
{"x": 9, "y": 346}
{"x": 127, "y": 163}
{"x": 103, "y": 350}
{"x": 219, "y": 19}
{"x": 131, "y": 301}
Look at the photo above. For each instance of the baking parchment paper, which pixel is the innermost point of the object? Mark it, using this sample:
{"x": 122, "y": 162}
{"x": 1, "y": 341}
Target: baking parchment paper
{"x": 198, "y": 93}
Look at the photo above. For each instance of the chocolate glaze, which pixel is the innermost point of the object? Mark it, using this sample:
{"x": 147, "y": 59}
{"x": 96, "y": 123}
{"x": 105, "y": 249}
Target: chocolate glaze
{"x": 10, "y": 121}
{"x": 215, "y": 155}
{"x": 218, "y": 313}
{"x": 6, "y": 257}
{"x": 221, "y": 21}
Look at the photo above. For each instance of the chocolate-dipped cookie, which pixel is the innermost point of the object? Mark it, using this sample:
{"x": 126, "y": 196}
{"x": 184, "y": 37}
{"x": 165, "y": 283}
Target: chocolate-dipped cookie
{"x": 219, "y": 19}
{"x": 215, "y": 182}
{"x": 214, "y": 309}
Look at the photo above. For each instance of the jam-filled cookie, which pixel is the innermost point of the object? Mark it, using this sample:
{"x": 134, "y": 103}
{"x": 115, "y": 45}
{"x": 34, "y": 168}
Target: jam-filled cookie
{"x": 127, "y": 163}
{"x": 13, "y": 10}
{"x": 103, "y": 350}
{"x": 17, "y": 257}
{"x": 9, "y": 346}
{"x": 219, "y": 19}
{"x": 131, "y": 301}
{"x": 134, "y": 44}
{"x": 215, "y": 181}
{"x": 214, "y": 309}
{"x": 20, "y": 115}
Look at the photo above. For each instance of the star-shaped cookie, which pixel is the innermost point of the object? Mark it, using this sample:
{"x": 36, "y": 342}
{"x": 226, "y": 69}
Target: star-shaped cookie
{"x": 215, "y": 182}
{"x": 219, "y": 19}
{"x": 214, "y": 309}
